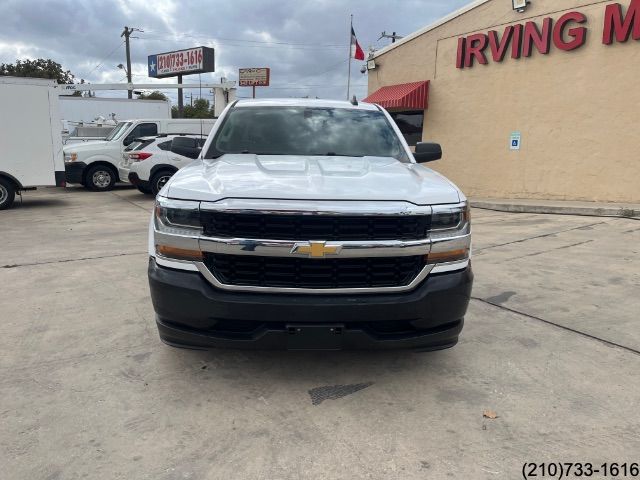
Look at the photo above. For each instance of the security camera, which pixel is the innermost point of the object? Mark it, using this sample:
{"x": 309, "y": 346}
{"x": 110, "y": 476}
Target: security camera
{"x": 363, "y": 69}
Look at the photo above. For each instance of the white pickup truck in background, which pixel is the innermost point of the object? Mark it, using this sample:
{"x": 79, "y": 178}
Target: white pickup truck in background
{"x": 31, "y": 156}
{"x": 95, "y": 164}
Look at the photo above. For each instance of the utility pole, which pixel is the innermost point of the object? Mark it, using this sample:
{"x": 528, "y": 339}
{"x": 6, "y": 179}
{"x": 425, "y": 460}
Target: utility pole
{"x": 126, "y": 33}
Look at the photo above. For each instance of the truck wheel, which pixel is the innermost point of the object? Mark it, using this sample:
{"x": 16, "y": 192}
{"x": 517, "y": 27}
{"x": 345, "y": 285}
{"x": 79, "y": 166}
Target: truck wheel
{"x": 7, "y": 194}
{"x": 159, "y": 180}
{"x": 100, "y": 178}
{"x": 145, "y": 190}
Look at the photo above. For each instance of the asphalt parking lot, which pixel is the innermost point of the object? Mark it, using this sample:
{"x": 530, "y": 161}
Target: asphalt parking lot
{"x": 551, "y": 345}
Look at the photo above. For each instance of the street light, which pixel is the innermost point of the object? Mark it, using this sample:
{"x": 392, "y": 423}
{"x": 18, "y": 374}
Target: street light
{"x": 122, "y": 67}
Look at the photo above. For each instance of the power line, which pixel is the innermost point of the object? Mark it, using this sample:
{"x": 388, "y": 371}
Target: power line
{"x": 106, "y": 58}
{"x": 242, "y": 42}
{"x": 319, "y": 74}
{"x": 298, "y": 87}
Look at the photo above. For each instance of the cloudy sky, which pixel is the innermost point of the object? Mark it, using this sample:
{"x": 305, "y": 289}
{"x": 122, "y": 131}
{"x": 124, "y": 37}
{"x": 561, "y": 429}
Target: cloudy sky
{"x": 305, "y": 42}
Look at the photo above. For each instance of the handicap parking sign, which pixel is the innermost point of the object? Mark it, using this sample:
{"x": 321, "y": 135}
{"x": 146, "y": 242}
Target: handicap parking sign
{"x": 516, "y": 140}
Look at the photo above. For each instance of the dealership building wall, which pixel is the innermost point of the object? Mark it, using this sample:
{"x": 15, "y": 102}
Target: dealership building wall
{"x": 577, "y": 111}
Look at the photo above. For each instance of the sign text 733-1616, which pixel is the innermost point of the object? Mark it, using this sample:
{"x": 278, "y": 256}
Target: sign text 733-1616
{"x": 181, "y": 62}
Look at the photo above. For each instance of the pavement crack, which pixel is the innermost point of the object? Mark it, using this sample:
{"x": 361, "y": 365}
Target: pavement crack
{"x": 132, "y": 203}
{"x": 537, "y": 236}
{"x": 67, "y": 260}
{"x": 608, "y": 343}
{"x": 546, "y": 251}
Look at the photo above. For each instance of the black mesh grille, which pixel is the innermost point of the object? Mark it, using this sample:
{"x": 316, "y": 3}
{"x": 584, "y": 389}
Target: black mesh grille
{"x": 314, "y": 227}
{"x": 249, "y": 270}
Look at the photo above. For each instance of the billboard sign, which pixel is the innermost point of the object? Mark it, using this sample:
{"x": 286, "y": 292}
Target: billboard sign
{"x": 254, "y": 77}
{"x": 181, "y": 62}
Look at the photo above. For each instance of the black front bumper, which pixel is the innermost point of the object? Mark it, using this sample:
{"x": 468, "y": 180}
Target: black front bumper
{"x": 191, "y": 313}
{"x": 74, "y": 172}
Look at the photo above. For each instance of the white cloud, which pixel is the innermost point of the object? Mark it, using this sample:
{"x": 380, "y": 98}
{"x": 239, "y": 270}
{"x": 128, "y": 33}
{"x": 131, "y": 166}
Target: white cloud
{"x": 307, "y": 56}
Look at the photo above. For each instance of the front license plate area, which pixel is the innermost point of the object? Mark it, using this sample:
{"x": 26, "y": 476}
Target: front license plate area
{"x": 314, "y": 337}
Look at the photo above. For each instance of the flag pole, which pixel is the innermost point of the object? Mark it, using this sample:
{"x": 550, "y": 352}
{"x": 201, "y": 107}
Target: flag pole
{"x": 350, "y": 45}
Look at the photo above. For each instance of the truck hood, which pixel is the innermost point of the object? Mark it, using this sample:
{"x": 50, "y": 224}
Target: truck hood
{"x": 84, "y": 146}
{"x": 310, "y": 178}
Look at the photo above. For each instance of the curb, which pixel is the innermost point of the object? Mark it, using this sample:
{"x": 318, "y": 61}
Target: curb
{"x": 621, "y": 211}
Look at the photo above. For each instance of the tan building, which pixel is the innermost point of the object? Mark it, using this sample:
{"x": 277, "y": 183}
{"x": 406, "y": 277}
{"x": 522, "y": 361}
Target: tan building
{"x": 538, "y": 103}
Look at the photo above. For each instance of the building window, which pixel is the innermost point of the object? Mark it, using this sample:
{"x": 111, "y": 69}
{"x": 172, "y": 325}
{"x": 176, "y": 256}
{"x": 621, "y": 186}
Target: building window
{"x": 410, "y": 124}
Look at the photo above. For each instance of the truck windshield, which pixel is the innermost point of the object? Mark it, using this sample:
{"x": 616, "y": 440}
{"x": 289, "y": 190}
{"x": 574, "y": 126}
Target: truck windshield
{"x": 118, "y": 131}
{"x": 307, "y": 131}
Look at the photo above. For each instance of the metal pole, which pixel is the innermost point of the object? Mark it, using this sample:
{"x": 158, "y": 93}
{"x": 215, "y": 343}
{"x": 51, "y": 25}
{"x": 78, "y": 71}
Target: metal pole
{"x": 126, "y": 33}
{"x": 180, "y": 99}
{"x": 349, "y": 74}
{"x": 254, "y": 91}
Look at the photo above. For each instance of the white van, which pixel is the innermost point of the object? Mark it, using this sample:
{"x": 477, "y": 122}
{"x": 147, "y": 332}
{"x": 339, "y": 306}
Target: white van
{"x": 30, "y": 137}
{"x": 95, "y": 164}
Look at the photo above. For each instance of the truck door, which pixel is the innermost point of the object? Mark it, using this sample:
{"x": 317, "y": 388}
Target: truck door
{"x": 146, "y": 129}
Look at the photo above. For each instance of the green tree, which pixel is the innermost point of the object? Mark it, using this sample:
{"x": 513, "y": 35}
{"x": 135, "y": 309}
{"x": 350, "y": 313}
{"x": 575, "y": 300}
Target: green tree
{"x": 40, "y": 68}
{"x": 201, "y": 108}
{"x": 155, "y": 95}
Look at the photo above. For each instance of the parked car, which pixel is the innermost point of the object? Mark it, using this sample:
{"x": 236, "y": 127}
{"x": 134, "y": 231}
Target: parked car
{"x": 30, "y": 137}
{"x": 95, "y": 164}
{"x": 310, "y": 224}
{"x": 150, "y": 162}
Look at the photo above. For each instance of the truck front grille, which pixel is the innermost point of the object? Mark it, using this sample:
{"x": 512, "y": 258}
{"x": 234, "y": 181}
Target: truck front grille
{"x": 314, "y": 227}
{"x": 285, "y": 272}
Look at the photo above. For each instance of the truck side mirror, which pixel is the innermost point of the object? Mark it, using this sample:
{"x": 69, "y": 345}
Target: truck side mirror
{"x": 427, "y": 152}
{"x": 128, "y": 140}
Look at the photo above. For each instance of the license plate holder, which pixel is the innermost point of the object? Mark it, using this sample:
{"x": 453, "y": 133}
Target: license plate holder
{"x": 315, "y": 337}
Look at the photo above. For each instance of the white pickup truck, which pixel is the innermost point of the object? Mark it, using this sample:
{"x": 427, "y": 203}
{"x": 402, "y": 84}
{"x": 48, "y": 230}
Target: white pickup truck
{"x": 95, "y": 164}
{"x": 310, "y": 224}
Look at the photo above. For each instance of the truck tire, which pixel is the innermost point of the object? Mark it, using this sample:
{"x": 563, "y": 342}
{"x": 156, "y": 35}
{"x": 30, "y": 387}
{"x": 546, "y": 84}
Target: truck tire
{"x": 7, "y": 193}
{"x": 100, "y": 178}
{"x": 159, "y": 179}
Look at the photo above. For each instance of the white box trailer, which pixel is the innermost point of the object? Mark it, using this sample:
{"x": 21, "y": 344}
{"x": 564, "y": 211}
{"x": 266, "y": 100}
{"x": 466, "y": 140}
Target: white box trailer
{"x": 75, "y": 110}
{"x": 30, "y": 136}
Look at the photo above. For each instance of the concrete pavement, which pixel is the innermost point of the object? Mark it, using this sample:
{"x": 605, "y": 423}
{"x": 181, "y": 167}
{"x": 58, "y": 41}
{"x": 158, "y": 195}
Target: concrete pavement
{"x": 551, "y": 344}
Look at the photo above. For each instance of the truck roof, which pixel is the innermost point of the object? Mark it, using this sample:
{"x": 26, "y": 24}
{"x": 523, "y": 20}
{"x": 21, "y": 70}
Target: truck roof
{"x": 303, "y": 102}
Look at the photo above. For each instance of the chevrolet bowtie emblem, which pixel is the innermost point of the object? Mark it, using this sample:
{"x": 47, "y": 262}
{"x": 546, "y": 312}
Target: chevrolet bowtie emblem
{"x": 315, "y": 249}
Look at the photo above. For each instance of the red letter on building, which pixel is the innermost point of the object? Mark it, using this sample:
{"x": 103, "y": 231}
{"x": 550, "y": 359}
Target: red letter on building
{"x": 462, "y": 43}
{"x": 579, "y": 34}
{"x": 613, "y": 22}
{"x": 516, "y": 44}
{"x": 532, "y": 36}
{"x": 498, "y": 49}
{"x": 476, "y": 45}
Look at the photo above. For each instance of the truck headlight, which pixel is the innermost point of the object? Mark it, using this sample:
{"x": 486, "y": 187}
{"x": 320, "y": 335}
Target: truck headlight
{"x": 450, "y": 233}
{"x": 450, "y": 220}
{"x": 177, "y": 217}
{"x": 174, "y": 220}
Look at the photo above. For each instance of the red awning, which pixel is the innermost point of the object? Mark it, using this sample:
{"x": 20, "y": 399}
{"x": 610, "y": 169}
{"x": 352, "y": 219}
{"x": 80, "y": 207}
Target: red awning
{"x": 406, "y": 96}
